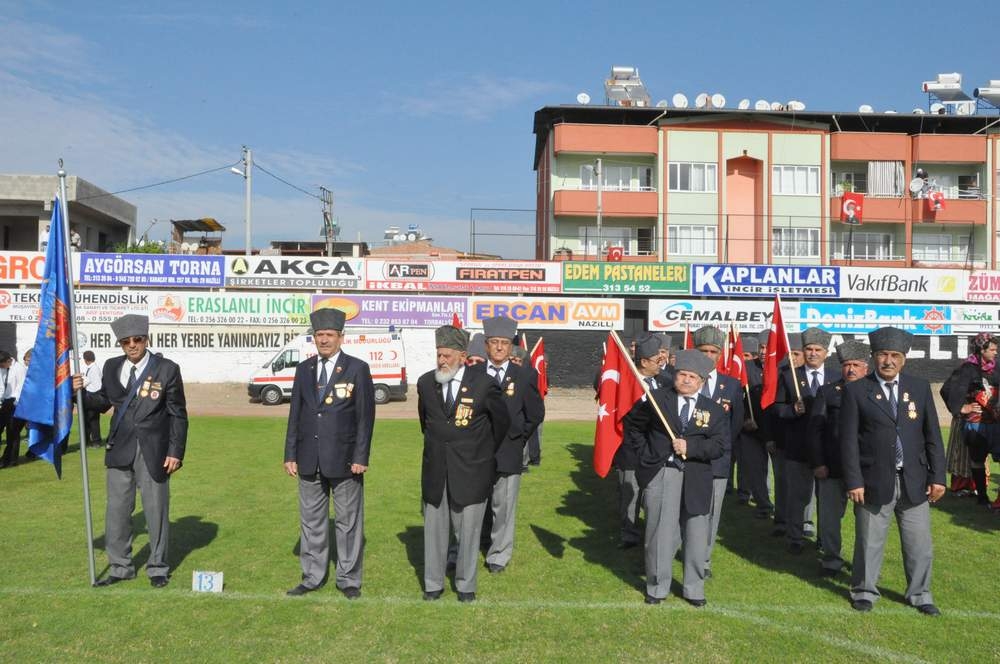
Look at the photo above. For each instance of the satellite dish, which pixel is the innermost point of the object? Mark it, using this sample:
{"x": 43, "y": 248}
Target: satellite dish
{"x": 583, "y": 98}
{"x": 918, "y": 111}
{"x": 679, "y": 100}
{"x": 965, "y": 108}
{"x": 916, "y": 185}
{"x": 399, "y": 237}
{"x": 776, "y": 106}
{"x": 718, "y": 101}
{"x": 796, "y": 105}
{"x": 411, "y": 237}
{"x": 937, "y": 107}
{"x": 762, "y": 105}
{"x": 701, "y": 100}
{"x": 744, "y": 104}
{"x": 865, "y": 108}
{"x": 662, "y": 103}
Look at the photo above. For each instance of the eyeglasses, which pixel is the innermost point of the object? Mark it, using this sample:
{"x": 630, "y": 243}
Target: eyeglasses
{"x": 127, "y": 340}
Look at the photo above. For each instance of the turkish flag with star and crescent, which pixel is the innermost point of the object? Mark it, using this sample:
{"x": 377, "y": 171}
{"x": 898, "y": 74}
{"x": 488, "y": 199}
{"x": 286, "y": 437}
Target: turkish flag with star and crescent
{"x": 539, "y": 364}
{"x": 777, "y": 349}
{"x": 617, "y": 392}
{"x": 736, "y": 367}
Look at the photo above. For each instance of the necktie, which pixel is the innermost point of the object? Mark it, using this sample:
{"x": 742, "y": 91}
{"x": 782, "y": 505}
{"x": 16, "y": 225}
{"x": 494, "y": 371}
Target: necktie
{"x": 497, "y": 374}
{"x": 685, "y": 413}
{"x": 323, "y": 378}
{"x": 705, "y": 390}
{"x": 131, "y": 380}
{"x": 649, "y": 381}
{"x": 449, "y": 402}
{"x": 814, "y": 385}
{"x": 894, "y": 407}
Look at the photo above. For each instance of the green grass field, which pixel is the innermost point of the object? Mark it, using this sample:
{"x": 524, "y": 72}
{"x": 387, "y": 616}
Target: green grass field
{"x": 569, "y": 595}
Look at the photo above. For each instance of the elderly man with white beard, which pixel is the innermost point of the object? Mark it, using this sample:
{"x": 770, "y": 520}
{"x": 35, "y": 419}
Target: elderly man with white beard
{"x": 464, "y": 419}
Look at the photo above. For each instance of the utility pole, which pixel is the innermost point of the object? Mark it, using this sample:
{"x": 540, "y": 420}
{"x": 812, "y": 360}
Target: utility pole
{"x": 248, "y": 178}
{"x": 328, "y": 226}
{"x": 600, "y": 190}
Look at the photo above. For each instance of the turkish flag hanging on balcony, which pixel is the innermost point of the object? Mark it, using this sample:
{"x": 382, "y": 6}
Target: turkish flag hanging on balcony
{"x": 616, "y": 253}
{"x": 850, "y": 208}
{"x": 935, "y": 201}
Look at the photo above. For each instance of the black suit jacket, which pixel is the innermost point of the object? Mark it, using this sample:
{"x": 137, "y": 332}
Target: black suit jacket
{"x": 525, "y": 408}
{"x": 791, "y": 428}
{"x": 868, "y": 439}
{"x": 706, "y": 440}
{"x": 159, "y": 422}
{"x": 327, "y": 434}
{"x": 823, "y": 429}
{"x": 729, "y": 395}
{"x": 461, "y": 451}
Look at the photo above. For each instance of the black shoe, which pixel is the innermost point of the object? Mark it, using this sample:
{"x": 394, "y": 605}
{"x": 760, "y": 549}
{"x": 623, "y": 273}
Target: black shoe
{"x": 158, "y": 581}
{"x": 627, "y": 545}
{"x": 466, "y": 597}
{"x": 829, "y": 571}
{"x": 300, "y": 590}
{"x": 495, "y": 569}
{"x": 525, "y": 470}
{"x": 351, "y": 593}
{"x": 431, "y": 595}
{"x": 929, "y": 610}
{"x": 110, "y": 581}
{"x": 697, "y": 603}
{"x": 862, "y": 605}
{"x": 795, "y": 548}
{"x": 652, "y": 600}
{"x": 535, "y": 462}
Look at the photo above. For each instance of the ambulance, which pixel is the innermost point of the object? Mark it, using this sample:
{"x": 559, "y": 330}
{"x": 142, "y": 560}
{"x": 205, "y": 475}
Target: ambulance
{"x": 383, "y": 351}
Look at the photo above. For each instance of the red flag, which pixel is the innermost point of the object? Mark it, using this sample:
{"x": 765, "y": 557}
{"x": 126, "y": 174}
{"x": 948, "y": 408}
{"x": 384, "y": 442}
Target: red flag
{"x": 737, "y": 368}
{"x": 850, "y": 208}
{"x": 935, "y": 201}
{"x": 522, "y": 339}
{"x": 456, "y": 321}
{"x": 539, "y": 364}
{"x": 777, "y": 349}
{"x": 688, "y": 339}
{"x": 619, "y": 390}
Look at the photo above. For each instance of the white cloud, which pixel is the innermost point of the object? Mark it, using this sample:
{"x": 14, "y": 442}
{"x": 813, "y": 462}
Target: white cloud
{"x": 478, "y": 98}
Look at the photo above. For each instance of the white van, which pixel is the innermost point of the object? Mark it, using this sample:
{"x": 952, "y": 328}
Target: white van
{"x": 272, "y": 383}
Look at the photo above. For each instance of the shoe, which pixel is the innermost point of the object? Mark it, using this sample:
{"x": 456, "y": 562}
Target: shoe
{"x": 862, "y": 605}
{"x": 158, "y": 581}
{"x": 495, "y": 569}
{"x": 535, "y": 462}
{"x": 697, "y": 603}
{"x": 795, "y": 548}
{"x": 828, "y": 571}
{"x": 110, "y": 581}
{"x": 431, "y": 595}
{"x": 652, "y": 600}
{"x": 929, "y": 610}
{"x": 744, "y": 500}
{"x": 627, "y": 545}
{"x": 525, "y": 470}
{"x": 300, "y": 590}
{"x": 763, "y": 514}
{"x": 466, "y": 597}
{"x": 351, "y": 593}
{"x": 708, "y": 574}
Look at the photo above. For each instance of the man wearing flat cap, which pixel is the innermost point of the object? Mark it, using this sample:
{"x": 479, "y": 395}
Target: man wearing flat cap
{"x": 727, "y": 392}
{"x": 145, "y": 446}
{"x": 526, "y": 410}
{"x": 894, "y": 463}
{"x": 327, "y": 447}
{"x": 792, "y": 408}
{"x": 756, "y": 430}
{"x": 777, "y": 433}
{"x": 464, "y": 420}
{"x": 823, "y": 445}
{"x": 675, "y": 474}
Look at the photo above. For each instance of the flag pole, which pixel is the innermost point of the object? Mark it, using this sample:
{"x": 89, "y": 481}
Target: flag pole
{"x": 746, "y": 388}
{"x": 791, "y": 365}
{"x": 535, "y": 347}
{"x": 76, "y": 370}
{"x": 645, "y": 387}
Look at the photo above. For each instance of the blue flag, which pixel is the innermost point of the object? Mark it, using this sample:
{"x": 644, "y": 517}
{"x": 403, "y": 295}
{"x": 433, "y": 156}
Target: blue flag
{"x": 46, "y": 401}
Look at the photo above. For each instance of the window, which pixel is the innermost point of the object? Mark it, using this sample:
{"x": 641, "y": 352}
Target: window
{"x": 644, "y": 241}
{"x": 610, "y": 237}
{"x": 885, "y": 179}
{"x": 864, "y": 246}
{"x": 795, "y": 242}
{"x": 618, "y": 178}
{"x": 691, "y": 240}
{"x": 857, "y": 182}
{"x": 795, "y": 180}
{"x": 941, "y": 247}
{"x": 690, "y": 176}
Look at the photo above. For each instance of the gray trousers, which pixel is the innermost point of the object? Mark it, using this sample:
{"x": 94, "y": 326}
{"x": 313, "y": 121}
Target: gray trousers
{"x": 662, "y": 500}
{"x": 871, "y": 524}
{"x": 780, "y": 486}
{"x": 696, "y": 529}
{"x": 628, "y": 506}
{"x": 800, "y": 488}
{"x": 718, "y": 496}
{"x": 468, "y": 523}
{"x": 504, "y": 504}
{"x": 122, "y": 483}
{"x": 753, "y": 471}
{"x": 349, "y": 526}
{"x": 832, "y": 503}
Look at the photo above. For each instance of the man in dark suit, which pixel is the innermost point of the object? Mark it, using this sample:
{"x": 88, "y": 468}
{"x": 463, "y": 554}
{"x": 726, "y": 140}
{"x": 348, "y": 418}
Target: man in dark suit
{"x": 823, "y": 444}
{"x": 792, "y": 409}
{"x": 519, "y": 386}
{"x": 894, "y": 464}
{"x": 727, "y": 392}
{"x": 464, "y": 420}
{"x": 755, "y": 433}
{"x": 327, "y": 445}
{"x": 675, "y": 474}
{"x": 776, "y": 433}
{"x": 145, "y": 446}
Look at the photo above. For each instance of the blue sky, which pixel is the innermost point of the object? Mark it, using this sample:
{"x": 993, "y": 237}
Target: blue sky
{"x": 415, "y": 112}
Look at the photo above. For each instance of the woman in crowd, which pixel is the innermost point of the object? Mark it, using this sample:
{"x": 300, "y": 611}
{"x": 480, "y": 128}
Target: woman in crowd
{"x": 971, "y": 394}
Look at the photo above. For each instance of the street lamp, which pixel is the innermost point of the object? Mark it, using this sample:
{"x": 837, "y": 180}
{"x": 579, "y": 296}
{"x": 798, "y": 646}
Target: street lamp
{"x": 247, "y": 174}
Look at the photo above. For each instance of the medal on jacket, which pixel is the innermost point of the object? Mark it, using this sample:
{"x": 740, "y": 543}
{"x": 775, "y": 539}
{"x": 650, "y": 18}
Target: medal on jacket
{"x": 463, "y": 414}
{"x": 144, "y": 392}
{"x": 510, "y": 389}
{"x": 328, "y": 400}
{"x": 912, "y": 413}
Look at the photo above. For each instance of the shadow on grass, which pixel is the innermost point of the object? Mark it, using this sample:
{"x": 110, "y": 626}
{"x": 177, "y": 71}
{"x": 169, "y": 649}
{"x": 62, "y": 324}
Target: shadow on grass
{"x": 413, "y": 541}
{"x": 186, "y": 535}
{"x": 594, "y": 502}
{"x": 553, "y": 543}
{"x": 964, "y": 512}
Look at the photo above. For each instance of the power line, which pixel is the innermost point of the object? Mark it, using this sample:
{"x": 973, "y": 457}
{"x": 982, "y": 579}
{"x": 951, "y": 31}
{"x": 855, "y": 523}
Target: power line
{"x": 160, "y": 184}
{"x": 286, "y": 182}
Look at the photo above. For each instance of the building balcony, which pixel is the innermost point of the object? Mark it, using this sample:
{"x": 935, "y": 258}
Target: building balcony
{"x": 866, "y": 146}
{"x": 949, "y": 148}
{"x": 888, "y": 210}
{"x": 955, "y": 211}
{"x": 583, "y": 203}
{"x": 605, "y": 139}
